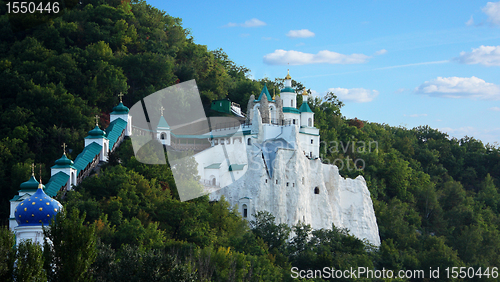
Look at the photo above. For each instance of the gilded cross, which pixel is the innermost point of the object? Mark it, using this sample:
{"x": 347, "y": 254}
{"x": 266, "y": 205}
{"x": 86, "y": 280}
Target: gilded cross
{"x": 120, "y": 95}
{"x": 96, "y": 120}
{"x": 33, "y": 169}
{"x": 64, "y": 147}
{"x": 161, "y": 110}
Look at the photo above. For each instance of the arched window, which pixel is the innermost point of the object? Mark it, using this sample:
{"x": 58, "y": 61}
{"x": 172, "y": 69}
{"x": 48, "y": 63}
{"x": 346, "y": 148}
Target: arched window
{"x": 249, "y": 141}
{"x": 73, "y": 178}
{"x": 310, "y": 122}
{"x": 214, "y": 182}
{"x": 316, "y": 190}
{"x": 291, "y": 101}
{"x": 245, "y": 211}
{"x": 163, "y": 136}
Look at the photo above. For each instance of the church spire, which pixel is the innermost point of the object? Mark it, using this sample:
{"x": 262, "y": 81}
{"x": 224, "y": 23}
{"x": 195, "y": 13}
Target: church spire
{"x": 288, "y": 75}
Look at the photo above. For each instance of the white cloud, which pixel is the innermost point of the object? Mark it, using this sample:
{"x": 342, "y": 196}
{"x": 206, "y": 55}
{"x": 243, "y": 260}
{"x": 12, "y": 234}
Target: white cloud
{"x": 302, "y": 33}
{"x": 283, "y": 57}
{"x": 358, "y": 95}
{"x": 495, "y": 109}
{"x": 269, "y": 38}
{"x": 484, "y": 55}
{"x": 380, "y": 52}
{"x": 460, "y": 87}
{"x": 314, "y": 93}
{"x": 250, "y": 23}
{"x": 244, "y": 35}
{"x": 470, "y": 21}
{"x": 492, "y": 10}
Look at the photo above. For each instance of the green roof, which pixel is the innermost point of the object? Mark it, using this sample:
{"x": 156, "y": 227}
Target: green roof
{"x": 56, "y": 182}
{"x": 163, "y": 123}
{"x": 288, "y": 89}
{"x": 114, "y": 131}
{"x": 87, "y": 156}
{"x": 265, "y": 91}
{"x": 290, "y": 110}
{"x": 96, "y": 133}
{"x": 31, "y": 184}
{"x": 120, "y": 109}
{"x": 235, "y": 167}
{"x": 214, "y": 166}
{"x": 304, "y": 108}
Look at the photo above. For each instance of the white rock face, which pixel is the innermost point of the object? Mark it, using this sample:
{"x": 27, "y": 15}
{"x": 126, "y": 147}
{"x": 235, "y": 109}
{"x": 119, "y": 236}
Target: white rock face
{"x": 290, "y": 193}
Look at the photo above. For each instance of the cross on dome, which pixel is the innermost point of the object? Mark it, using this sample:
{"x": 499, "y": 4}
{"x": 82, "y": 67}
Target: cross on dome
{"x": 161, "y": 110}
{"x": 97, "y": 120}
{"x": 64, "y": 147}
{"x": 120, "y": 95}
{"x": 33, "y": 169}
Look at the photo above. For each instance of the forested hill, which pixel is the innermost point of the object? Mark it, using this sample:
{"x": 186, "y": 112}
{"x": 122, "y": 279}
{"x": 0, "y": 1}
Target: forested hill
{"x": 435, "y": 197}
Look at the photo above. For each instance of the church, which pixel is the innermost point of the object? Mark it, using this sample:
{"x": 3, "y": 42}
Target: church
{"x": 269, "y": 161}
{"x": 34, "y": 205}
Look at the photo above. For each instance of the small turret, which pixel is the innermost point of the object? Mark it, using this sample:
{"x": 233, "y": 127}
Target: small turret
{"x": 98, "y": 136}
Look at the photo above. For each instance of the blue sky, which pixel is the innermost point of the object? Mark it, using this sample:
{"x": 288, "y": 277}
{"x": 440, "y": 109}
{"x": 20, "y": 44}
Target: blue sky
{"x": 404, "y": 63}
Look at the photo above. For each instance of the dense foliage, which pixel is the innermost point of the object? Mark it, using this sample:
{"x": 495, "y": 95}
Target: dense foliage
{"x": 435, "y": 197}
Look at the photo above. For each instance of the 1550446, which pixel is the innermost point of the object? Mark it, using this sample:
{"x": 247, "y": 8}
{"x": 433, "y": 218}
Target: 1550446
{"x": 32, "y": 7}
{"x": 471, "y": 272}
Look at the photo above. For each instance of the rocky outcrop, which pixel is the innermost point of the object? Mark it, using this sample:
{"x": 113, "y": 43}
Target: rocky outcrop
{"x": 302, "y": 189}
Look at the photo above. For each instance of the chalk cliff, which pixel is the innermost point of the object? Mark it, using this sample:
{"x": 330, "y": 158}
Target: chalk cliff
{"x": 280, "y": 179}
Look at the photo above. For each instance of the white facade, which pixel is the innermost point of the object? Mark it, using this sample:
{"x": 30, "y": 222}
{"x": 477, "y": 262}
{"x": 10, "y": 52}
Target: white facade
{"x": 71, "y": 172}
{"x": 104, "y": 142}
{"x": 33, "y": 233}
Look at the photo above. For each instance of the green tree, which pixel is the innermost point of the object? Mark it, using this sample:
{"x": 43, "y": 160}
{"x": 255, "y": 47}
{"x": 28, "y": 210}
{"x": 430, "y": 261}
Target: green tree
{"x": 7, "y": 254}
{"x": 29, "y": 264}
{"x": 72, "y": 249}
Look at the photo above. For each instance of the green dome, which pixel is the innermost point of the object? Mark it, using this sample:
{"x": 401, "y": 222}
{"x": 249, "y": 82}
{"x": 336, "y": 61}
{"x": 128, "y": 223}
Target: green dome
{"x": 64, "y": 161}
{"x": 96, "y": 132}
{"x": 120, "y": 109}
{"x": 31, "y": 184}
{"x": 287, "y": 89}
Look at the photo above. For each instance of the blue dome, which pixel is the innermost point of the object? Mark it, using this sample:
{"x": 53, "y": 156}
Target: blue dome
{"x": 37, "y": 210}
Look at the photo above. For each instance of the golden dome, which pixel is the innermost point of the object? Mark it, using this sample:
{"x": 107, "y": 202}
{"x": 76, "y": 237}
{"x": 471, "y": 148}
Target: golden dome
{"x": 288, "y": 75}
{"x": 304, "y": 93}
